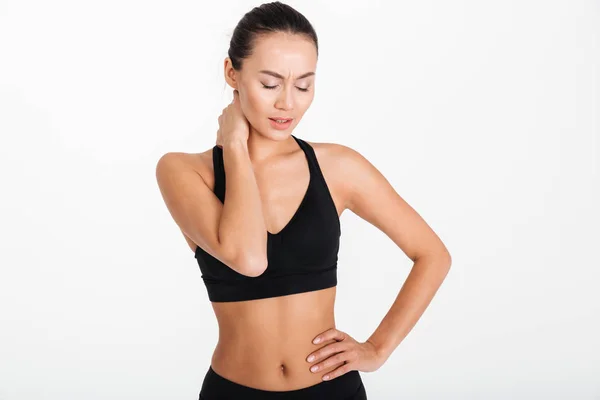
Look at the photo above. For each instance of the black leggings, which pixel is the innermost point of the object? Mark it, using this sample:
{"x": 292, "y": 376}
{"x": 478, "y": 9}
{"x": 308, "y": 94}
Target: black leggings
{"x": 345, "y": 387}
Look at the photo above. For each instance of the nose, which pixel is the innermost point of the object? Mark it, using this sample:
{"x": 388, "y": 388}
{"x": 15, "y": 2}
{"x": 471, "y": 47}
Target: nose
{"x": 285, "y": 100}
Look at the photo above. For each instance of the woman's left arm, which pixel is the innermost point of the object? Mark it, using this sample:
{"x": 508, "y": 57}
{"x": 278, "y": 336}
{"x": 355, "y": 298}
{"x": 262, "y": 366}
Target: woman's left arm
{"x": 368, "y": 194}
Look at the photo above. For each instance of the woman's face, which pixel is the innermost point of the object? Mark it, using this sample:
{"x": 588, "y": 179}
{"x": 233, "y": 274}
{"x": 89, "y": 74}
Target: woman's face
{"x": 276, "y": 81}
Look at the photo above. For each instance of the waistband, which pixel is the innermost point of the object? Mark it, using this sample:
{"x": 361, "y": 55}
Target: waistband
{"x": 216, "y": 386}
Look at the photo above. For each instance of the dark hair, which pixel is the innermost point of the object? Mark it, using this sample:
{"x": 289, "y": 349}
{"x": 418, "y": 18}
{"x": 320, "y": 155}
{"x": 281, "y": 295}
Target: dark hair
{"x": 264, "y": 19}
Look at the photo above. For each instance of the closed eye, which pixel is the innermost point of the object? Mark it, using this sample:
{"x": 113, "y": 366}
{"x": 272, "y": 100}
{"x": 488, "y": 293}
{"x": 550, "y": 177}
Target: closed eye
{"x": 273, "y": 87}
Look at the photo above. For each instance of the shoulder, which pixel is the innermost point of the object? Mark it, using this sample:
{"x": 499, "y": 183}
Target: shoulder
{"x": 345, "y": 169}
{"x": 337, "y": 153}
{"x": 175, "y": 161}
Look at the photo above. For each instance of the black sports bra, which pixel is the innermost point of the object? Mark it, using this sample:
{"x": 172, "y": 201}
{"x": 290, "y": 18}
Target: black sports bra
{"x": 302, "y": 257}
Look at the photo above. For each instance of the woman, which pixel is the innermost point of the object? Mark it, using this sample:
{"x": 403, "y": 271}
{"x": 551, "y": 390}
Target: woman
{"x": 268, "y": 250}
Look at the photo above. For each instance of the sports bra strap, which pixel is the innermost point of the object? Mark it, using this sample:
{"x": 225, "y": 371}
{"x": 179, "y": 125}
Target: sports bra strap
{"x": 312, "y": 160}
{"x": 219, "y": 172}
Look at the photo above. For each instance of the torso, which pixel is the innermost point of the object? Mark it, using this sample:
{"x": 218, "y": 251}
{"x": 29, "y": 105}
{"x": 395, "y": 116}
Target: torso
{"x": 264, "y": 343}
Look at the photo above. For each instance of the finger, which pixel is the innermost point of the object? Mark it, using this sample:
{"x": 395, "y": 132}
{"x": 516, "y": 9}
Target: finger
{"x": 326, "y": 351}
{"x": 330, "y": 334}
{"x": 337, "y": 372}
{"x": 322, "y": 336}
{"x": 332, "y": 361}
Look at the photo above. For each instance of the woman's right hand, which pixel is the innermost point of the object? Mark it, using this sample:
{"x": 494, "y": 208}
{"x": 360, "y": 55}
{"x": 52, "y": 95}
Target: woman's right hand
{"x": 233, "y": 124}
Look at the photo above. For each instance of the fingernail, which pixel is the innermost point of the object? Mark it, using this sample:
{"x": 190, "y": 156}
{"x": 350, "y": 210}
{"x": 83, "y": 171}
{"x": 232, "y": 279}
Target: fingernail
{"x": 311, "y": 358}
{"x": 313, "y": 369}
{"x": 326, "y": 377}
{"x": 317, "y": 340}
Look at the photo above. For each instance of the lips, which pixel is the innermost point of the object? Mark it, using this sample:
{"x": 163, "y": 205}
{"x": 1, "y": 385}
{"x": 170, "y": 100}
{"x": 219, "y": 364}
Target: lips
{"x": 281, "y": 126}
{"x": 281, "y": 119}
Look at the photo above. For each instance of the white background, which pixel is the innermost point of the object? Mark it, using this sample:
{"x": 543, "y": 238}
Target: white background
{"x": 482, "y": 114}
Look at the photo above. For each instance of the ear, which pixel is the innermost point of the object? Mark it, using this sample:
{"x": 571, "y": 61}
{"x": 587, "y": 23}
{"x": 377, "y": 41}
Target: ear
{"x": 231, "y": 74}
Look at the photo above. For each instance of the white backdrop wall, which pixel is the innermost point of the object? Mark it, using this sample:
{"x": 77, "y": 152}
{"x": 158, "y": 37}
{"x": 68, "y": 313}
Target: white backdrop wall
{"x": 483, "y": 115}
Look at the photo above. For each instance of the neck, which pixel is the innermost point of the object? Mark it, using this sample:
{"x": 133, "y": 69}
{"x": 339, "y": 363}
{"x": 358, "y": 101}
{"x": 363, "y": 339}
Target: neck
{"x": 262, "y": 148}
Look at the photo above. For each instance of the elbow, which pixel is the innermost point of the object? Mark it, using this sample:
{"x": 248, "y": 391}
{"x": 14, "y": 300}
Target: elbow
{"x": 244, "y": 261}
{"x": 255, "y": 272}
{"x": 251, "y": 265}
{"x": 254, "y": 268}
{"x": 441, "y": 258}
{"x": 447, "y": 259}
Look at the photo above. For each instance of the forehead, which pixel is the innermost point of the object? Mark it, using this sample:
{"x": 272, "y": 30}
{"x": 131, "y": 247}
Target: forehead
{"x": 284, "y": 53}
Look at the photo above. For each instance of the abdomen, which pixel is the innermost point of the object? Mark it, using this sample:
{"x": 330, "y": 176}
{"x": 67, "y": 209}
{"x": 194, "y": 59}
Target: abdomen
{"x": 264, "y": 343}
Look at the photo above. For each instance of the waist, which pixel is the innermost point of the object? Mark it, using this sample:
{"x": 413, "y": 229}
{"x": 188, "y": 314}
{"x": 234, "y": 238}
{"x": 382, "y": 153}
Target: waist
{"x": 264, "y": 343}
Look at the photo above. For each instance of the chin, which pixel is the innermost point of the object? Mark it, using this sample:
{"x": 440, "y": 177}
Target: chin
{"x": 277, "y": 134}
{"x": 283, "y": 135}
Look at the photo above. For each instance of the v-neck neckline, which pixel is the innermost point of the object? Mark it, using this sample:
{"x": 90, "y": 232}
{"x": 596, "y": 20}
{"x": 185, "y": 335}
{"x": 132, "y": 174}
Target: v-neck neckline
{"x": 304, "y": 198}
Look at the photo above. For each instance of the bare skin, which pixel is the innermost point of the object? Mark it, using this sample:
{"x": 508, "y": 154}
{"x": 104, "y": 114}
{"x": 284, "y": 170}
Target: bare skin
{"x": 264, "y": 343}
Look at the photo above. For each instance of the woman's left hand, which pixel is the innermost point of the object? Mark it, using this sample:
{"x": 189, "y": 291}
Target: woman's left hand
{"x": 355, "y": 355}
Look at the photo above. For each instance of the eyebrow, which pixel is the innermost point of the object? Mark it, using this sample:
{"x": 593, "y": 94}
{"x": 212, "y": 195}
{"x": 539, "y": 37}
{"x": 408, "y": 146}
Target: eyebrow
{"x": 276, "y": 75}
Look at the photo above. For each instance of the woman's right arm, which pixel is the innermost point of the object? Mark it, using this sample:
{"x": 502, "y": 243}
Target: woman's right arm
{"x": 233, "y": 232}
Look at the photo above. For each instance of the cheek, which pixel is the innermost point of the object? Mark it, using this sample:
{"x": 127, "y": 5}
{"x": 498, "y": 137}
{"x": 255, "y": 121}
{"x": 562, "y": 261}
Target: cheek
{"x": 305, "y": 101}
{"x": 302, "y": 105}
{"x": 256, "y": 105}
